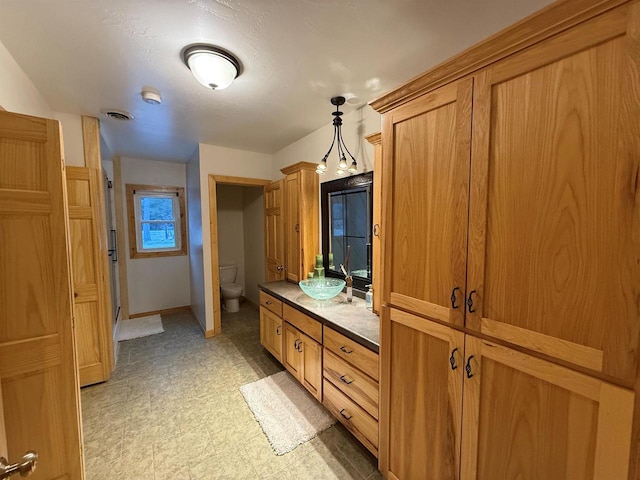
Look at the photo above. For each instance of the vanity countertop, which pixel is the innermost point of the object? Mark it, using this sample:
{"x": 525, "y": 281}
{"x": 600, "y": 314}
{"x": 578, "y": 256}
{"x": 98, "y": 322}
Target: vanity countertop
{"x": 353, "y": 320}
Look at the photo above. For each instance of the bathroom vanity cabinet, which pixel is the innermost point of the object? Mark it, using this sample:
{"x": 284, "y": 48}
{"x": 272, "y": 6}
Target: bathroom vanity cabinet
{"x": 338, "y": 370}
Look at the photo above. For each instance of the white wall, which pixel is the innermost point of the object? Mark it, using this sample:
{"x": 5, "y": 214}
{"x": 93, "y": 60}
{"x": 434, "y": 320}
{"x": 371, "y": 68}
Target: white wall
{"x": 196, "y": 266}
{"x": 311, "y": 148}
{"x": 231, "y": 229}
{"x": 17, "y": 91}
{"x": 163, "y": 282}
{"x": 254, "y": 259}
{"x": 72, "y": 137}
{"x": 223, "y": 161}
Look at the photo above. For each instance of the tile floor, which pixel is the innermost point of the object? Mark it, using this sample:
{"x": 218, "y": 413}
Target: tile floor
{"x": 172, "y": 411}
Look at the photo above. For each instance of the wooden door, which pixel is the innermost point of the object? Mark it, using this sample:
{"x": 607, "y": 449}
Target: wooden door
{"x": 292, "y": 358}
{"x": 421, "y": 397}
{"x": 426, "y": 175}
{"x": 292, "y": 227}
{"x": 271, "y": 333}
{"x": 40, "y": 393}
{"x": 90, "y": 277}
{"x": 311, "y": 366}
{"x": 528, "y": 419}
{"x": 555, "y": 204}
{"x": 274, "y": 231}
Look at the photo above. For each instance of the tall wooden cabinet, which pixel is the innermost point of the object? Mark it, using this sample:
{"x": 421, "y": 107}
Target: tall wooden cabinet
{"x": 511, "y": 210}
{"x": 301, "y": 198}
{"x": 375, "y": 139}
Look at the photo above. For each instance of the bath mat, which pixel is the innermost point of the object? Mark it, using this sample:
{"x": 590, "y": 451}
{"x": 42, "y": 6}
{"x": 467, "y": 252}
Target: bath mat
{"x": 139, "y": 327}
{"x": 288, "y": 414}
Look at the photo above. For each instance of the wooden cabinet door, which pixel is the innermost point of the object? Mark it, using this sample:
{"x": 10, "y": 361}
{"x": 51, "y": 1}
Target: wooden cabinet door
{"x": 40, "y": 404}
{"x": 90, "y": 276}
{"x": 292, "y": 227}
{"x": 555, "y": 199}
{"x": 311, "y": 366}
{"x": 274, "y": 231}
{"x": 271, "y": 334}
{"x": 425, "y": 206}
{"x": 421, "y": 398}
{"x": 528, "y": 419}
{"x": 292, "y": 357}
{"x": 376, "y": 272}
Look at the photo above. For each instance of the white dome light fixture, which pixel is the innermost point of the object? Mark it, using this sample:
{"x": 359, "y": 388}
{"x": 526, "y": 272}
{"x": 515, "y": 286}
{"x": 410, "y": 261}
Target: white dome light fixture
{"x": 213, "y": 67}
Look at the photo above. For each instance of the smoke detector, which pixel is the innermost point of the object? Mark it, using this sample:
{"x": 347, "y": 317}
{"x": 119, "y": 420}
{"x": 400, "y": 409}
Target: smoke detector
{"x": 151, "y": 96}
{"x": 117, "y": 114}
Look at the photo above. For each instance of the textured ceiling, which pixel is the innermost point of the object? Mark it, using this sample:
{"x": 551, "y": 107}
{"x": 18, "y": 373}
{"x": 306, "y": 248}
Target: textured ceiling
{"x": 88, "y": 55}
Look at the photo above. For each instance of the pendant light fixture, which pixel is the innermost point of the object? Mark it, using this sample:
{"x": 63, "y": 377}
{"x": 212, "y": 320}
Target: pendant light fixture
{"x": 342, "y": 148}
{"x": 213, "y": 67}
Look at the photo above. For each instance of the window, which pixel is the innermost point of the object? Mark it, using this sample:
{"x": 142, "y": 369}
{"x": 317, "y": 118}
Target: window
{"x": 156, "y": 221}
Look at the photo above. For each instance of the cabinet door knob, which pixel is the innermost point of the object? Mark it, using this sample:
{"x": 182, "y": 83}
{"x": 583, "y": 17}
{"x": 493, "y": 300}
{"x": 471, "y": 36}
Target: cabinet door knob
{"x": 344, "y": 349}
{"x": 470, "y": 301}
{"x": 299, "y": 347}
{"x": 268, "y": 302}
{"x": 278, "y": 330}
{"x": 452, "y": 359}
{"x": 376, "y": 230}
{"x": 468, "y": 367}
{"x": 295, "y": 344}
{"x": 453, "y": 298}
{"x": 345, "y": 415}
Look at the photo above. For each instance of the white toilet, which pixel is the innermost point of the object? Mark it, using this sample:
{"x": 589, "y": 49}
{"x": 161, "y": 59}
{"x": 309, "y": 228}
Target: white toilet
{"x": 230, "y": 291}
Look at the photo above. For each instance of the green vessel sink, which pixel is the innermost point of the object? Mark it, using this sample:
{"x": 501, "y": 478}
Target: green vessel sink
{"x": 322, "y": 288}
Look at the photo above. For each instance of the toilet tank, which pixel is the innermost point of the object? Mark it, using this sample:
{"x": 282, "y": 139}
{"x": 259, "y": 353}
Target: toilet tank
{"x": 227, "y": 274}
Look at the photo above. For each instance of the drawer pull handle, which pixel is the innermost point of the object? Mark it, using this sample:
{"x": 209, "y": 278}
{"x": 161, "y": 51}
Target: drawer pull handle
{"x": 295, "y": 344}
{"x": 453, "y": 298}
{"x": 268, "y": 302}
{"x": 299, "y": 347}
{"x": 345, "y": 415}
{"x": 278, "y": 330}
{"x": 343, "y": 378}
{"x": 344, "y": 349}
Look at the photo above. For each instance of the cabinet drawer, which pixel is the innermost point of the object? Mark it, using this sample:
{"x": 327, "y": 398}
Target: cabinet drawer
{"x": 302, "y": 322}
{"x": 271, "y": 303}
{"x": 352, "y": 382}
{"x": 354, "y": 353}
{"x": 355, "y": 419}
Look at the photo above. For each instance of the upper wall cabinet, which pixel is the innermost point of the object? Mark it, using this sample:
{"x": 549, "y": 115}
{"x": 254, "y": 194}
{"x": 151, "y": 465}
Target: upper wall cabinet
{"x": 301, "y": 194}
{"x": 426, "y": 175}
{"x": 554, "y": 240}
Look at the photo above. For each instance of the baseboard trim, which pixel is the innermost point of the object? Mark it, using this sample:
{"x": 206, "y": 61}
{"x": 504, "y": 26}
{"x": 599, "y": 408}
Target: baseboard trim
{"x": 166, "y": 311}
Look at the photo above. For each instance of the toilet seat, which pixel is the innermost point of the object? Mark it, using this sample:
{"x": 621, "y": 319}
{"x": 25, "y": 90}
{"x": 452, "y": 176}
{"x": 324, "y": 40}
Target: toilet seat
{"x": 233, "y": 290}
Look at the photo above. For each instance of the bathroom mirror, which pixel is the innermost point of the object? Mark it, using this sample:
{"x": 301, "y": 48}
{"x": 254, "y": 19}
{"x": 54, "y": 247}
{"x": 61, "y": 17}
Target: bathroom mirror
{"x": 347, "y": 208}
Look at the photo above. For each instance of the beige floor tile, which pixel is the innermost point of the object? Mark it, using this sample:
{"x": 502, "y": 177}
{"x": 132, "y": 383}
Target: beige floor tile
{"x": 173, "y": 411}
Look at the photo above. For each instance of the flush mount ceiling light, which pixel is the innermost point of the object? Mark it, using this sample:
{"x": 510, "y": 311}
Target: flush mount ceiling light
{"x": 342, "y": 148}
{"x": 213, "y": 67}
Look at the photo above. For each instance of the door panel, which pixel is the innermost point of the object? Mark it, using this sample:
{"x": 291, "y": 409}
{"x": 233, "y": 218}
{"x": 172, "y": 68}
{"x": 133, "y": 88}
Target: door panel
{"x": 292, "y": 357}
{"x": 274, "y": 237}
{"x": 40, "y": 393}
{"x": 527, "y": 419}
{"x": 421, "y": 398}
{"x": 426, "y": 225}
{"x": 292, "y": 223}
{"x": 312, "y": 366}
{"x": 555, "y": 207}
{"x": 89, "y": 266}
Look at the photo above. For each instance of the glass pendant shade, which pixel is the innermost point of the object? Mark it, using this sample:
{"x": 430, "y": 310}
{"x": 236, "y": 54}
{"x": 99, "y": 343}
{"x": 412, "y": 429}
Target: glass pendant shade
{"x": 212, "y": 67}
{"x": 353, "y": 168}
{"x": 342, "y": 165}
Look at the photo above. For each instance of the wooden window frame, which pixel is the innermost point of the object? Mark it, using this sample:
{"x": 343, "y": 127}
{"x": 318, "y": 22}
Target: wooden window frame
{"x": 131, "y": 214}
